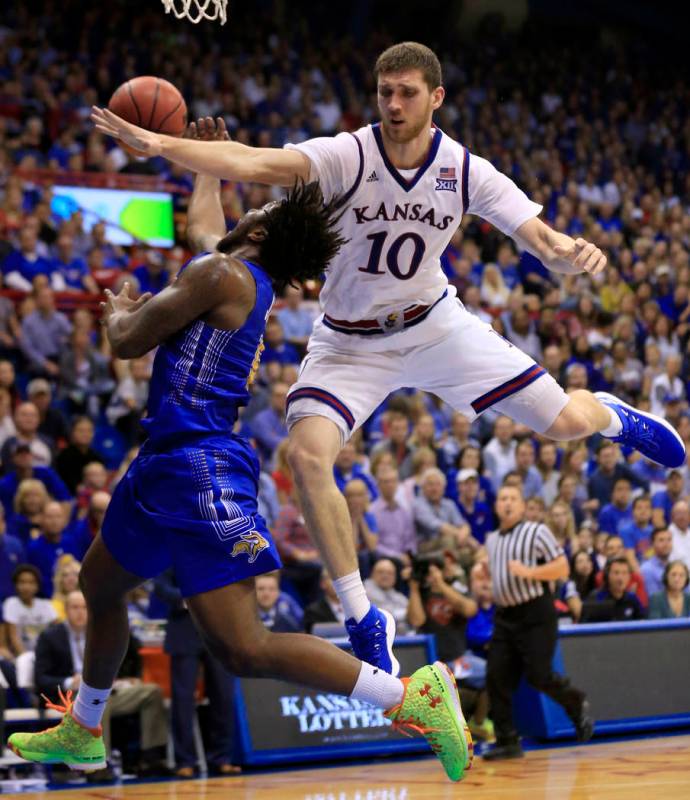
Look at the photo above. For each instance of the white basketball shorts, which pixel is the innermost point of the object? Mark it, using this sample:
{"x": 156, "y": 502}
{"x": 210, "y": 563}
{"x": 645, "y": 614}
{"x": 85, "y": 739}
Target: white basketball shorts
{"x": 469, "y": 366}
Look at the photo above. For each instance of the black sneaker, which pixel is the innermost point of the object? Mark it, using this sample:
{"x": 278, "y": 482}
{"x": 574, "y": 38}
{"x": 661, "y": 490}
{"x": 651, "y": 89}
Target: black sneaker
{"x": 584, "y": 724}
{"x": 500, "y": 752}
{"x": 103, "y": 775}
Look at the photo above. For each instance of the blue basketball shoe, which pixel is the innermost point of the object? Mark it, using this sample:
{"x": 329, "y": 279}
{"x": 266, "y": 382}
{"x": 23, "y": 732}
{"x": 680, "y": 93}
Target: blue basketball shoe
{"x": 372, "y": 640}
{"x": 652, "y": 436}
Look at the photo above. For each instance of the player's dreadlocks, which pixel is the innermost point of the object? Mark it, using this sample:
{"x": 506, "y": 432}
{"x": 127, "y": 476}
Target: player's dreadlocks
{"x": 301, "y": 237}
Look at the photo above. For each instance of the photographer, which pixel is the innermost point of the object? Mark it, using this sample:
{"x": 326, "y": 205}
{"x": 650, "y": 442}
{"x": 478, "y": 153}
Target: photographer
{"x": 440, "y": 602}
{"x": 522, "y": 556}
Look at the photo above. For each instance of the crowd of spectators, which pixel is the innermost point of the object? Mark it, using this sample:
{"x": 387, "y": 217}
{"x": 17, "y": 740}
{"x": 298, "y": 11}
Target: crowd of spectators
{"x": 605, "y": 147}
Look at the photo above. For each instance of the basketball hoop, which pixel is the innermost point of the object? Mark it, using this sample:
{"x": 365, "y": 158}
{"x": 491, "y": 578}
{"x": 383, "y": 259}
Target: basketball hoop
{"x": 196, "y": 10}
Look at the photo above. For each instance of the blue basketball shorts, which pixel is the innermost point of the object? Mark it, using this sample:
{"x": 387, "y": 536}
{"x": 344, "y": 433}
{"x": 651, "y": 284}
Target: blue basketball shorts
{"x": 193, "y": 508}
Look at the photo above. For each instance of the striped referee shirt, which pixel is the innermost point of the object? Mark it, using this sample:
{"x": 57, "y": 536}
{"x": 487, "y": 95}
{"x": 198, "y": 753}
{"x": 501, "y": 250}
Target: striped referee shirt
{"x": 531, "y": 543}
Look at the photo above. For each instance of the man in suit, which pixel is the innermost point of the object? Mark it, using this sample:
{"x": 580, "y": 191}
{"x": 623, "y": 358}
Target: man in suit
{"x": 59, "y": 662}
{"x": 327, "y": 609}
{"x": 267, "y": 598}
{"x": 186, "y": 650}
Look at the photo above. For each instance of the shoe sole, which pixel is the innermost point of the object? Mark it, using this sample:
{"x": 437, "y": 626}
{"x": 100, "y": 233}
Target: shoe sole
{"x": 390, "y": 638}
{"x": 605, "y": 397}
{"x": 41, "y": 758}
{"x": 463, "y": 728}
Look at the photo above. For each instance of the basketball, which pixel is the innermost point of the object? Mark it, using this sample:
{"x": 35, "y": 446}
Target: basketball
{"x": 151, "y": 103}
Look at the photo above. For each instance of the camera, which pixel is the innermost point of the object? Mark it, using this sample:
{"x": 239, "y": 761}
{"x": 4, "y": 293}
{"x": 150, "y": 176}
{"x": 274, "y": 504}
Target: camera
{"x": 421, "y": 564}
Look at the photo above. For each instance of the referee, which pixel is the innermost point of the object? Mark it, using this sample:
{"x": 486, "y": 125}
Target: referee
{"x": 522, "y": 555}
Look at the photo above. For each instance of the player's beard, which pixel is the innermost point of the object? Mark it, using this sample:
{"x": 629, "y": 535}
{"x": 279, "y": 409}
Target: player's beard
{"x": 407, "y": 133}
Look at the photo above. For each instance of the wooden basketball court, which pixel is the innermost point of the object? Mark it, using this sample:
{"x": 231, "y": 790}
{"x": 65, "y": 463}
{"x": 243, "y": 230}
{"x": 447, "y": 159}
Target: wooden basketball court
{"x": 653, "y": 768}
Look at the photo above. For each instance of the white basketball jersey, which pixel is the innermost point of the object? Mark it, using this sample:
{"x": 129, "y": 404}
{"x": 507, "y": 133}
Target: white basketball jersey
{"x": 398, "y": 223}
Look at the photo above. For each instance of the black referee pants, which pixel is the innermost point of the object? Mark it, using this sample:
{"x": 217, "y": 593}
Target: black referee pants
{"x": 524, "y": 642}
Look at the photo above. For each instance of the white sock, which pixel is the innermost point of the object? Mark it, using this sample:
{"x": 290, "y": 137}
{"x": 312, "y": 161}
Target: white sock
{"x": 89, "y": 707}
{"x": 378, "y": 687}
{"x": 353, "y": 596}
{"x": 615, "y": 426}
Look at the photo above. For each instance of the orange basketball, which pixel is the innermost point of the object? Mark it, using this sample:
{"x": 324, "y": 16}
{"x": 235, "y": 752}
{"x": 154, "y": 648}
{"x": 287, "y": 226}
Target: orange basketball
{"x": 151, "y": 103}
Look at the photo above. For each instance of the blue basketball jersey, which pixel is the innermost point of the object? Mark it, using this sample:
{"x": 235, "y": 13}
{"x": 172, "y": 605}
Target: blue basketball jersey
{"x": 201, "y": 374}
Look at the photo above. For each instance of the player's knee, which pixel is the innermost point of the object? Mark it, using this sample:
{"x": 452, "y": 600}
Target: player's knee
{"x": 571, "y": 423}
{"x": 99, "y": 594}
{"x": 307, "y": 464}
{"x": 245, "y": 656}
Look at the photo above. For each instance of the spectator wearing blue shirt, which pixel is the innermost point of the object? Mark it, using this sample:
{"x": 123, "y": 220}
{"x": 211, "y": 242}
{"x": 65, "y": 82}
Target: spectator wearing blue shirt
{"x": 478, "y": 514}
{"x": 152, "y": 276}
{"x": 44, "y": 334}
{"x": 346, "y": 468}
{"x": 21, "y": 467}
{"x": 267, "y": 499}
{"x": 525, "y": 456}
{"x": 24, "y": 264}
{"x": 459, "y": 437}
{"x": 297, "y": 322}
{"x": 650, "y": 472}
{"x": 508, "y": 264}
{"x": 609, "y": 469}
{"x": 618, "y": 512}
{"x": 11, "y": 555}
{"x": 82, "y": 532}
{"x": 636, "y": 535}
{"x": 663, "y": 501}
{"x": 480, "y": 628}
{"x": 63, "y": 149}
{"x": 268, "y": 427}
{"x": 608, "y": 219}
{"x": 54, "y": 541}
{"x": 535, "y": 278}
{"x": 113, "y": 256}
{"x": 652, "y": 570}
{"x": 73, "y": 268}
{"x": 275, "y": 346}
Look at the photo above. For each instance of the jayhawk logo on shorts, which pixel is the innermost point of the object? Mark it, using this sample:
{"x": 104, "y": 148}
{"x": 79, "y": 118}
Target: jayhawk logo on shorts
{"x": 391, "y": 319}
{"x": 252, "y": 543}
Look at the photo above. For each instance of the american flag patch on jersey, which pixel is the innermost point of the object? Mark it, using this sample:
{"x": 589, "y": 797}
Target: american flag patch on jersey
{"x": 446, "y": 181}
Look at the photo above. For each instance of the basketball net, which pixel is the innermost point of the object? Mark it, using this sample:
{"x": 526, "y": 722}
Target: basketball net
{"x": 196, "y": 10}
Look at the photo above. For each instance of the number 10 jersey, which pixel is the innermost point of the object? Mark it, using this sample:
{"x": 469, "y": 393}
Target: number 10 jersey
{"x": 399, "y": 222}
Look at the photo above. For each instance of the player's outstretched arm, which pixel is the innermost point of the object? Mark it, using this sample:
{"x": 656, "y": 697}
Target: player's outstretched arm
{"x": 134, "y": 327}
{"x": 205, "y": 217}
{"x": 557, "y": 251}
{"x": 230, "y": 160}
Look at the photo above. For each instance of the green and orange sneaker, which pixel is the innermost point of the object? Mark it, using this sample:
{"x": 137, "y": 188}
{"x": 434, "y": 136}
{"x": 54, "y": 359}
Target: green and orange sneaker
{"x": 69, "y": 742}
{"x": 431, "y": 707}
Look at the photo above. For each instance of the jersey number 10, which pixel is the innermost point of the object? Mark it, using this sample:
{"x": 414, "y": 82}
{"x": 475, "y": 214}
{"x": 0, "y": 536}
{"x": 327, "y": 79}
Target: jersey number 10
{"x": 403, "y": 273}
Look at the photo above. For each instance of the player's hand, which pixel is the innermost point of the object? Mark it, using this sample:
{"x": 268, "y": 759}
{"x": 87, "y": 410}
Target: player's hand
{"x": 115, "y": 303}
{"x": 519, "y": 570}
{"x": 206, "y": 129}
{"x": 582, "y": 255}
{"x": 144, "y": 141}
